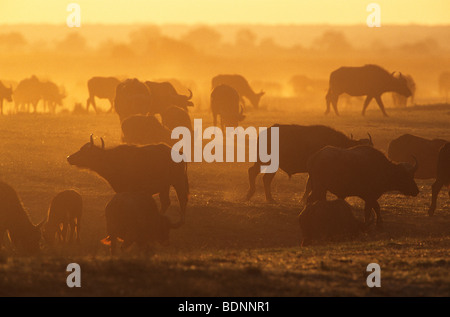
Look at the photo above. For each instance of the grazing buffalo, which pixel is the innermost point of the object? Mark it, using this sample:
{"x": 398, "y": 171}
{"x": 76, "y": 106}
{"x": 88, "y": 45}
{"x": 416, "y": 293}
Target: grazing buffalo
{"x": 296, "y": 144}
{"x": 134, "y": 218}
{"x": 28, "y": 92}
{"x": 444, "y": 84}
{"x": 164, "y": 95}
{"x": 225, "y": 103}
{"x": 442, "y": 175}
{"x": 64, "y": 217}
{"x": 407, "y": 147}
{"x": 52, "y": 96}
{"x": 129, "y": 168}
{"x": 132, "y": 97}
{"x": 174, "y": 116}
{"x": 24, "y": 235}
{"x": 369, "y": 80}
{"x": 103, "y": 88}
{"x": 328, "y": 219}
{"x": 5, "y": 93}
{"x": 140, "y": 129}
{"x": 240, "y": 84}
{"x": 360, "y": 171}
{"x": 400, "y": 100}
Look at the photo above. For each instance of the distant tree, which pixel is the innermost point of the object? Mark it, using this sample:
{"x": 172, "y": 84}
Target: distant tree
{"x": 245, "y": 39}
{"x": 12, "y": 41}
{"x": 332, "y": 41}
{"x": 203, "y": 38}
{"x": 73, "y": 42}
{"x": 141, "y": 38}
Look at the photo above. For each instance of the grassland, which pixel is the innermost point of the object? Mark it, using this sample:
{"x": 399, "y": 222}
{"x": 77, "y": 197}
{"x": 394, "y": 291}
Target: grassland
{"x": 228, "y": 246}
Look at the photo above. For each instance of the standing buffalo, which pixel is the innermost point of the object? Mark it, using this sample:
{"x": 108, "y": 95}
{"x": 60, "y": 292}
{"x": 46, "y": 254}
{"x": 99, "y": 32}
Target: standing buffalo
{"x": 240, "y": 84}
{"x": 407, "y": 147}
{"x": 174, "y": 116}
{"x": 51, "y": 96}
{"x": 5, "y": 93}
{"x": 400, "y": 100}
{"x": 442, "y": 176}
{"x": 134, "y": 218}
{"x": 28, "y": 92}
{"x": 444, "y": 84}
{"x": 360, "y": 171}
{"x": 225, "y": 103}
{"x": 140, "y": 129}
{"x": 129, "y": 168}
{"x": 164, "y": 95}
{"x": 369, "y": 80}
{"x": 132, "y": 97}
{"x": 296, "y": 144}
{"x": 103, "y": 88}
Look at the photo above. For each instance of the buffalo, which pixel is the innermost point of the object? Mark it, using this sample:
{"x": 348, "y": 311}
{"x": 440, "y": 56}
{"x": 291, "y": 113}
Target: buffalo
{"x": 134, "y": 218}
{"x": 28, "y": 92}
{"x": 360, "y": 171}
{"x": 52, "y": 96}
{"x": 442, "y": 175}
{"x": 24, "y": 236}
{"x": 140, "y": 129}
{"x": 328, "y": 219}
{"x": 132, "y": 97}
{"x": 225, "y": 103}
{"x": 407, "y": 146}
{"x": 174, "y": 116}
{"x": 5, "y": 93}
{"x": 103, "y": 88}
{"x": 64, "y": 216}
{"x": 130, "y": 168}
{"x": 296, "y": 144}
{"x": 369, "y": 80}
{"x": 241, "y": 85}
{"x": 164, "y": 95}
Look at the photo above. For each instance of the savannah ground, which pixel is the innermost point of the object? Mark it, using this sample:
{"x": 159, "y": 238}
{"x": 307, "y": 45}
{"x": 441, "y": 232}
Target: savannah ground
{"x": 228, "y": 246}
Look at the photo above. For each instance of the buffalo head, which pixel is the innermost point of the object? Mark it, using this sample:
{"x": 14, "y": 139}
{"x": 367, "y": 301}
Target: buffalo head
{"x": 87, "y": 154}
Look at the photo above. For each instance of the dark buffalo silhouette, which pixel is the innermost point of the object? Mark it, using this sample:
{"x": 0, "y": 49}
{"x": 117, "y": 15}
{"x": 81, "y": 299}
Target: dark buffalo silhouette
{"x": 442, "y": 176}
{"x": 64, "y": 217}
{"x": 145, "y": 129}
{"x": 51, "y": 96}
{"x": 134, "y": 218}
{"x": 174, "y": 116}
{"x": 328, "y": 219}
{"x": 369, "y": 80}
{"x": 225, "y": 103}
{"x": 296, "y": 144}
{"x": 408, "y": 147}
{"x": 103, "y": 88}
{"x": 444, "y": 84}
{"x": 360, "y": 171}
{"x": 129, "y": 168}
{"x": 241, "y": 85}
{"x": 24, "y": 235}
{"x": 164, "y": 95}
{"x": 5, "y": 93}
{"x": 132, "y": 97}
{"x": 28, "y": 92}
{"x": 400, "y": 100}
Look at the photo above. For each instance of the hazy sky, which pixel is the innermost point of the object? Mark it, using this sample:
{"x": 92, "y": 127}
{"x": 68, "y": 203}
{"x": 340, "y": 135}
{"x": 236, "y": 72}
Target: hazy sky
{"x": 226, "y": 11}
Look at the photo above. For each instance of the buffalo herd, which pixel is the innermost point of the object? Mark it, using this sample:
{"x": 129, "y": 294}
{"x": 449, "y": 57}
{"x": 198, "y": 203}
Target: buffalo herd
{"x": 143, "y": 166}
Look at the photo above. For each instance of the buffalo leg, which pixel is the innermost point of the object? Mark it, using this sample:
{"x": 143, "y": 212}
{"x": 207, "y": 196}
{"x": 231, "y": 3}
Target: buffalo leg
{"x": 111, "y": 101}
{"x": 307, "y": 191}
{"x": 78, "y": 230}
{"x": 435, "y": 189}
{"x": 366, "y": 104}
{"x": 367, "y": 213}
{"x": 253, "y": 172}
{"x": 376, "y": 208}
{"x": 381, "y": 105}
{"x": 183, "y": 197}
{"x": 165, "y": 199}
{"x": 267, "y": 180}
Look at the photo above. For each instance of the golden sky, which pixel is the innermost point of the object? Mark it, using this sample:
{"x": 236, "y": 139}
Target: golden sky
{"x": 226, "y": 11}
